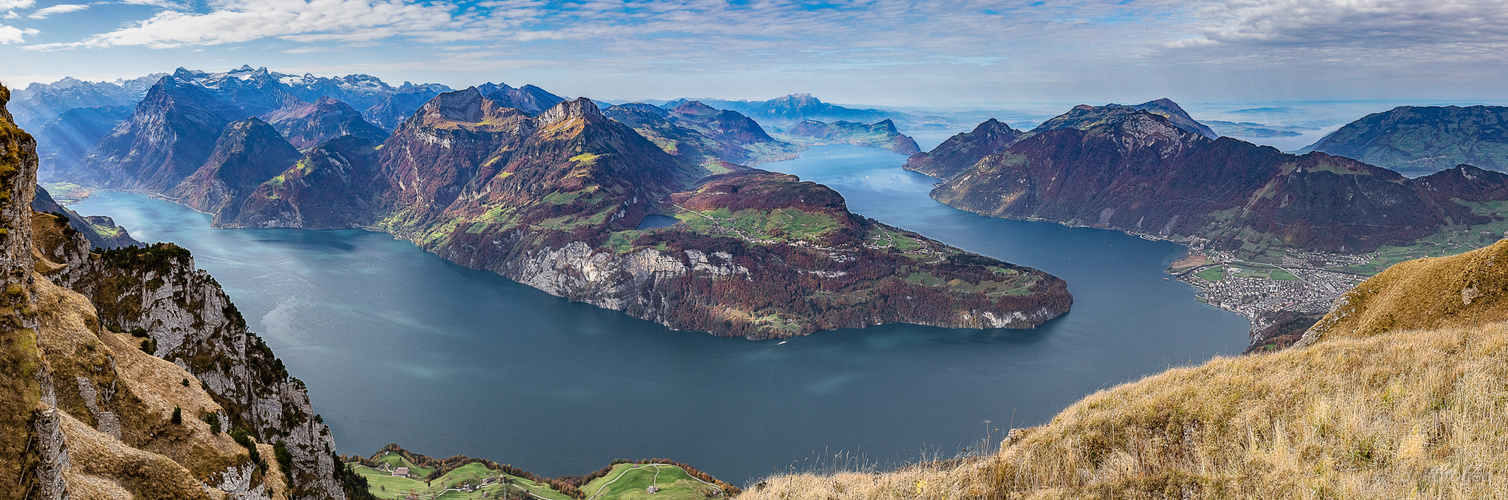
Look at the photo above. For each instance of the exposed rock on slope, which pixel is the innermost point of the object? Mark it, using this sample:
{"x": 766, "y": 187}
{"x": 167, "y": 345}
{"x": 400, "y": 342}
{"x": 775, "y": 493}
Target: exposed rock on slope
{"x": 105, "y": 419}
{"x": 170, "y": 135}
{"x": 1419, "y": 140}
{"x": 1138, "y": 172}
{"x": 881, "y": 134}
{"x": 246, "y": 155}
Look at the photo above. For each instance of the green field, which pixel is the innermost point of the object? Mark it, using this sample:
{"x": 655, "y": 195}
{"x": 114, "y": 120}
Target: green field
{"x": 385, "y": 486}
{"x": 1212, "y": 274}
{"x": 631, "y": 481}
{"x": 783, "y": 224}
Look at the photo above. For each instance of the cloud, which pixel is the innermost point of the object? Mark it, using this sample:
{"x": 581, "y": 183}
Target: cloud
{"x": 57, "y": 9}
{"x": 16, "y": 4}
{"x": 1420, "y": 26}
{"x": 236, "y": 21}
{"x": 11, "y": 34}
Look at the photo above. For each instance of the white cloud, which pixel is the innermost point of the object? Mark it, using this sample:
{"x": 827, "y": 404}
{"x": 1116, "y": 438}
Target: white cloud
{"x": 1373, "y": 23}
{"x": 56, "y": 9}
{"x": 11, "y": 34}
{"x": 10, "y": 15}
{"x": 16, "y": 4}
{"x": 236, "y": 21}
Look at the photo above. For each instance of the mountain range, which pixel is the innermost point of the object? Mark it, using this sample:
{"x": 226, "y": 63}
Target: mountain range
{"x": 555, "y": 198}
{"x": 1137, "y": 170}
{"x": 1420, "y": 140}
{"x": 791, "y": 109}
{"x": 881, "y": 135}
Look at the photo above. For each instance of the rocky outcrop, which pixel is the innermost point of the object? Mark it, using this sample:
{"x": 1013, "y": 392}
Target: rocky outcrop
{"x": 107, "y": 418}
{"x": 192, "y": 323}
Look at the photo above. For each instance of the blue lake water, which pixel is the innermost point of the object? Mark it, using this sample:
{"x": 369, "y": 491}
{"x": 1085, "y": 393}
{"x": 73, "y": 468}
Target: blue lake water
{"x": 397, "y": 345}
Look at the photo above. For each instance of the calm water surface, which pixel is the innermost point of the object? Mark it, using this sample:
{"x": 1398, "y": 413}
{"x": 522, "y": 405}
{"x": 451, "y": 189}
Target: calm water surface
{"x": 397, "y": 345}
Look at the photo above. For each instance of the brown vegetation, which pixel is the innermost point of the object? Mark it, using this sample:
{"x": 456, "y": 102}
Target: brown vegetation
{"x": 1398, "y": 394}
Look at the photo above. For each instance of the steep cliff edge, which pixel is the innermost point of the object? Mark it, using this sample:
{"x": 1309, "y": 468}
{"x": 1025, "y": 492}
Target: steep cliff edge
{"x": 94, "y": 408}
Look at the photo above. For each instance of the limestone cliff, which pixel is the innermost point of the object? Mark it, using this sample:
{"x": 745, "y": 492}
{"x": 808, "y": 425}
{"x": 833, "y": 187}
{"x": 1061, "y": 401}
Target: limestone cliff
{"x": 128, "y": 374}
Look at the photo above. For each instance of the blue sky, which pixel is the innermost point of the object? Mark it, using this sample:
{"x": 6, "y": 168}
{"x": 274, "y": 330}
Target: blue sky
{"x": 884, "y": 52}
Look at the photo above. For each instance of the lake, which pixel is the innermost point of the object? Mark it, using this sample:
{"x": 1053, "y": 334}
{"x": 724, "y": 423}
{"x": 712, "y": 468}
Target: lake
{"x": 397, "y": 345}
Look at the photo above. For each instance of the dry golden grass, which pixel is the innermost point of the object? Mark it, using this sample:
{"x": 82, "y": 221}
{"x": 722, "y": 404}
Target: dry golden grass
{"x": 1458, "y": 290}
{"x": 1398, "y": 393}
{"x": 1409, "y": 414}
{"x": 153, "y": 458}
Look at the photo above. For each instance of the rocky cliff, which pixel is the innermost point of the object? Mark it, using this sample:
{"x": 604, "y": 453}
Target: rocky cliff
{"x": 128, "y": 373}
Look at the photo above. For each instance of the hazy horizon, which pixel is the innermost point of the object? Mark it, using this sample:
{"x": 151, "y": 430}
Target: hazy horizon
{"x": 881, "y": 52}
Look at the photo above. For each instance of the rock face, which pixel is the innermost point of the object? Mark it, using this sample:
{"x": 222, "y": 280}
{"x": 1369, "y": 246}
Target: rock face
{"x": 308, "y": 125}
{"x": 170, "y": 135}
{"x": 1139, "y": 172}
{"x": 87, "y": 413}
{"x": 1419, "y": 140}
{"x": 881, "y": 134}
{"x": 960, "y": 152}
{"x": 529, "y": 99}
{"x": 246, "y": 155}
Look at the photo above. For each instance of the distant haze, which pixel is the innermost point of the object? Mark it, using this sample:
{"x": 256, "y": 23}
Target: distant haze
{"x": 882, "y": 52}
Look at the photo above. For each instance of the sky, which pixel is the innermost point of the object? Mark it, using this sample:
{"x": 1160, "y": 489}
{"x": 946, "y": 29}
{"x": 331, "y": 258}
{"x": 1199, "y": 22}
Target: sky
{"x": 880, "y": 52}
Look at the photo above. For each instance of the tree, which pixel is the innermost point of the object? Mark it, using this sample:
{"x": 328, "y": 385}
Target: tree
{"x": 177, "y": 415}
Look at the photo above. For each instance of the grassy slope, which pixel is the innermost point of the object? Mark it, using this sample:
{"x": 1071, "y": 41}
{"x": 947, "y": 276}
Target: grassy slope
{"x": 630, "y": 481}
{"x": 385, "y": 486}
{"x": 1402, "y": 397}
